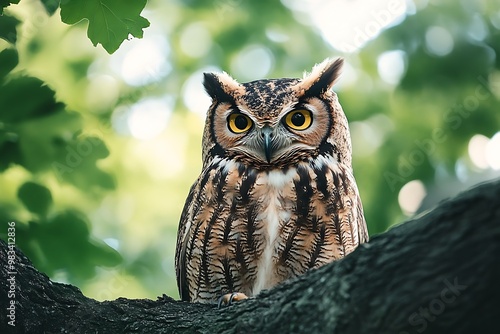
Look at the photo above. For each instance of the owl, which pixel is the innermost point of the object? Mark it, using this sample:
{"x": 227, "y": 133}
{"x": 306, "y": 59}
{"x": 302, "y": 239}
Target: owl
{"x": 276, "y": 196}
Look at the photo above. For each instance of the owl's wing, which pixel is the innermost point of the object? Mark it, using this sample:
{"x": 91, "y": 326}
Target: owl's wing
{"x": 180, "y": 251}
{"x": 352, "y": 229}
{"x": 362, "y": 228}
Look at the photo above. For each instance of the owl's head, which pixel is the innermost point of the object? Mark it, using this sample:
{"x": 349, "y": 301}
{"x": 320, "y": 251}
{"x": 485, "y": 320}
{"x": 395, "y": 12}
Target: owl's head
{"x": 276, "y": 122}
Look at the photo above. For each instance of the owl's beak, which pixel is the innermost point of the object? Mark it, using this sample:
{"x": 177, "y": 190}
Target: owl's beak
{"x": 267, "y": 134}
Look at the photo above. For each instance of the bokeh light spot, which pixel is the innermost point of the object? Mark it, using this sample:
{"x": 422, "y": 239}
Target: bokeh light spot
{"x": 347, "y": 32}
{"x": 277, "y": 35}
{"x": 368, "y": 135}
{"x": 148, "y": 118}
{"x": 410, "y": 196}
{"x": 438, "y": 41}
{"x": 252, "y": 63}
{"x": 195, "y": 40}
{"x": 391, "y": 66}
{"x": 102, "y": 92}
{"x": 495, "y": 19}
{"x": 477, "y": 151}
{"x": 477, "y": 29}
{"x": 146, "y": 62}
{"x": 493, "y": 151}
{"x": 193, "y": 93}
{"x": 113, "y": 243}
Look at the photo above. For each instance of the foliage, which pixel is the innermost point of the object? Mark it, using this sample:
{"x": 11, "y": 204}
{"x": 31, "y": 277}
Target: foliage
{"x": 74, "y": 174}
{"x": 110, "y": 22}
{"x": 38, "y": 134}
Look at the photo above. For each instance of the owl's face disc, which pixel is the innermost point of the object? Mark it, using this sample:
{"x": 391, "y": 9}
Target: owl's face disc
{"x": 271, "y": 123}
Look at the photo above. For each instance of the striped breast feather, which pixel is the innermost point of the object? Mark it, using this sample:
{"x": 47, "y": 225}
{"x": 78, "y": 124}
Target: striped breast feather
{"x": 223, "y": 229}
{"x": 212, "y": 243}
{"x": 339, "y": 202}
{"x": 188, "y": 230}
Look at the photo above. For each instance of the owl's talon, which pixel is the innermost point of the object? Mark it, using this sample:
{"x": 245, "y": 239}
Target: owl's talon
{"x": 229, "y": 298}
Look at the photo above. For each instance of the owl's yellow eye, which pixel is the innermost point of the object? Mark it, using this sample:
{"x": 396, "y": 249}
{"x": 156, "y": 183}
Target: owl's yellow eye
{"x": 239, "y": 123}
{"x": 299, "y": 119}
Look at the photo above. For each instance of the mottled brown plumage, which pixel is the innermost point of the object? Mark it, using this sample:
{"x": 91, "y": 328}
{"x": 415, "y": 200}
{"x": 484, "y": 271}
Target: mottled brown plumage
{"x": 276, "y": 196}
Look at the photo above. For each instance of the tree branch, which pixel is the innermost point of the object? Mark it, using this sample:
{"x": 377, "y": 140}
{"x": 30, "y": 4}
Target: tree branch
{"x": 437, "y": 273}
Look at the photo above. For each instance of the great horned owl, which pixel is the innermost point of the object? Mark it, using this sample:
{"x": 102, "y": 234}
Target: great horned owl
{"x": 276, "y": 195}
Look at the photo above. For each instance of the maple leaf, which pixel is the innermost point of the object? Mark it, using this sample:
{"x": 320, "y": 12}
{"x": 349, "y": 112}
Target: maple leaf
{"x": 110, "y": 21}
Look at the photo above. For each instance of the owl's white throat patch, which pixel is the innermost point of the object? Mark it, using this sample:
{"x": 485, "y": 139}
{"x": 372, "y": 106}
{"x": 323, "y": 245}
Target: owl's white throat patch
{"x": 274, "y": 215}
{"x": 277, "y": 179}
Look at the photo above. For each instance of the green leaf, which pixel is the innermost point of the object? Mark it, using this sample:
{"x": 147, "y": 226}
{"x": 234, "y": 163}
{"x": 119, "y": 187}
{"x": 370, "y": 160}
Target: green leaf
{"x": 110, "y": 21}
{"x": 72, "y": 225}
{"x": 68, "y": 245}
{"x": 104, "y": 255}
{"x": 35, "y": 143}
{"x": 8, "y": 26}
{"x": 51, "y": 5}
{"x": 35, "y": 197}
{"x": 9, "y": 150}
{"x": 5, "y": 3}
{"x": 24, "y": 98}
{"x": 9, "y": 60}
{"x": 77, "y": 164}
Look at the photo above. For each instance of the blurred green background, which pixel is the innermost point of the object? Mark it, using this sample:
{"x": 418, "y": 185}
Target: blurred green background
{"x": 98, "y": 150}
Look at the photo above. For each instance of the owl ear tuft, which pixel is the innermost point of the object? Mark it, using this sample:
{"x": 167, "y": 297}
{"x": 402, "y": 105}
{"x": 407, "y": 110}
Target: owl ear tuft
{"x": 322, "y": 77}
{"x": 220, "y": 86}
